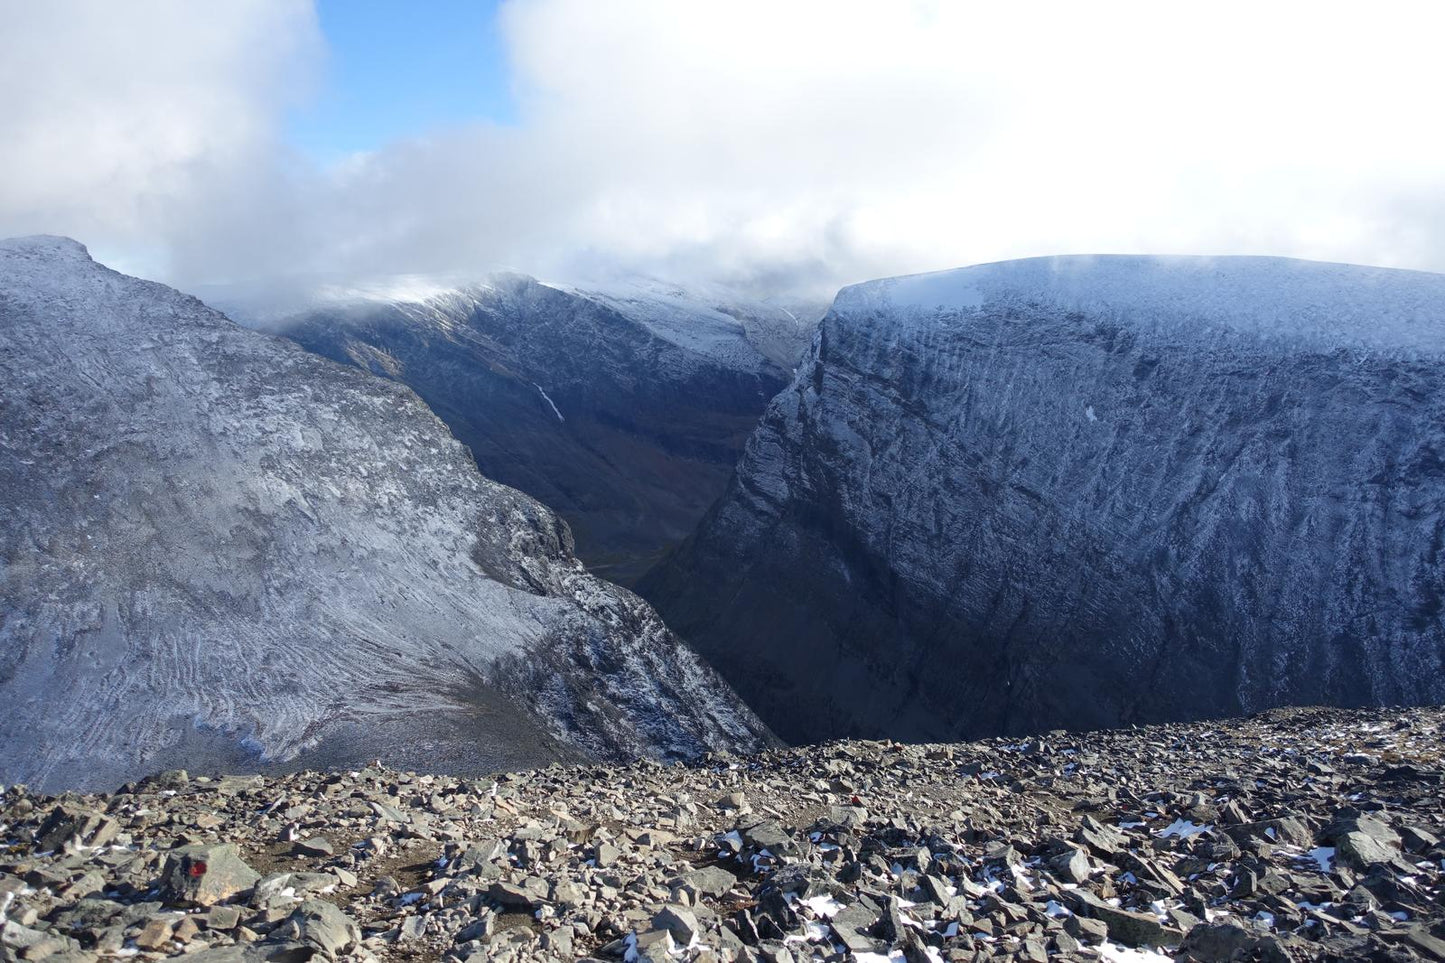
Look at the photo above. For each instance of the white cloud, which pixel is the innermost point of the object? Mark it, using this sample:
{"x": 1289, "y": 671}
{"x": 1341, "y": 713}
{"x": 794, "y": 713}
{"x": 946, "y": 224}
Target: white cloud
{"x": 117, "y": 119}
{"x": 787, "y": 141}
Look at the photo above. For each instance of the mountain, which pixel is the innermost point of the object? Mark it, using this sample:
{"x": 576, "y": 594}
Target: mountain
{"x": 711, "y": 319}
{"x": 623, "y": 406}
{"x": 217, "y": 549}
{"x": 1085, "y": 492}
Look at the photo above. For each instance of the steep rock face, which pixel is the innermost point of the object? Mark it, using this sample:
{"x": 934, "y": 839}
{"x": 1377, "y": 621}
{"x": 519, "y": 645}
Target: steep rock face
{"x": 218, "y": 549}
{"x": 1083, "y": 492}
{"x": 622, "y": 407}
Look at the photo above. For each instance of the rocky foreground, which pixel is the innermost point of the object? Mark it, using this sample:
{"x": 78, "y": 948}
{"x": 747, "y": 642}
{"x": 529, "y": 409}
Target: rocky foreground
{"x": 1302, "y": 834}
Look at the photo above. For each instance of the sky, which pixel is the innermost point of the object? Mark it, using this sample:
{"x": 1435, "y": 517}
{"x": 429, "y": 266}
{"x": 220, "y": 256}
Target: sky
{"x": 394, "y": 69}
{"x": 777, "y": 145}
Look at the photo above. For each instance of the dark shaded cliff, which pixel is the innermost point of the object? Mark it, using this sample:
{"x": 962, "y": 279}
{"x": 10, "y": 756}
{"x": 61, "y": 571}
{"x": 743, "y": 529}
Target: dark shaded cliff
{"x": 1082, "y": 492}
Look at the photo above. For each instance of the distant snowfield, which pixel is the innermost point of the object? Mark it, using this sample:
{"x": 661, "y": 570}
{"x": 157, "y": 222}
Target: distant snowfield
{"x": 1308, "y": 304}
{"x": 708, "y": 319}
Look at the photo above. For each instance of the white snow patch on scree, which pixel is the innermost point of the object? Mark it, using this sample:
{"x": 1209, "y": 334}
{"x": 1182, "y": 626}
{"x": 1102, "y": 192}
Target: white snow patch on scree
{"x": 1307, "y": 304}
{"x": 1183, "y": 828}
{"x": 1115, "y": 953}
{"x": 895, "y": 957}
{"x": 824, "y": 906}
{"x": 1324, "y": 856}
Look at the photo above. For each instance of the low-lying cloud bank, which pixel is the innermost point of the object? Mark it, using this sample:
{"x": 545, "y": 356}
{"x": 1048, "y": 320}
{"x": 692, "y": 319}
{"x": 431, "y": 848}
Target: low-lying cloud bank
{"x": 778, "y": 146}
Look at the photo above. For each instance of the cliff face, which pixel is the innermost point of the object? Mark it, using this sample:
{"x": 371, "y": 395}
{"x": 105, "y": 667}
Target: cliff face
{"x": 216, "y": 547}
{"x": 1084, "y": 492}
{"x": 624, "y": 408}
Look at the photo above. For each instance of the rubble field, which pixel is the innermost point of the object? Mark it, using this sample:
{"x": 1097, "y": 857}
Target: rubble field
{"x": 1300, "y": 834}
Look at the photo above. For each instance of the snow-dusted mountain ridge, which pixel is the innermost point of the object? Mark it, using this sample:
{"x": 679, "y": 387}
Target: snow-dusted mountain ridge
{"x": 1310, "y": 303}
{"x": 1084, "y": 491}
{"x": 623, "y": 405}
{"x": 710, "y": 319}
{"x": 217, "y": 549}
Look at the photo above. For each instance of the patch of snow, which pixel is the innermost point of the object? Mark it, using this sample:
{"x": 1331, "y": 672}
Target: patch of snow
{"x": 549, "y": 401}
{"x": 944, "y": 289}
{"x": 1115, "y": 953}
{"x": 895, "y": 957}
{"x": 1183, "y": 828}
{"x": 709, "y": 320}
{"x": 823, "y": 906}
{"x": 813, "y": 933}
{"x": 1324, "y": 857}
{"x": 406, "y": 288}
{"x": 1307, "y": 304}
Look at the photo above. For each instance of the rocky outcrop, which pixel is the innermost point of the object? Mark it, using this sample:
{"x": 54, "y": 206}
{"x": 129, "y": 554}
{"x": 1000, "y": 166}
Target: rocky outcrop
{"x": 1206, "y": 843}
{"x": 1084, "y": 492}
{"x": 218, "y": 549}
{"x": 623, "y": 407}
